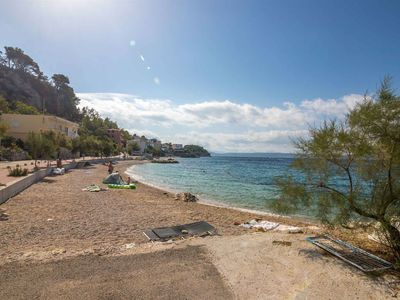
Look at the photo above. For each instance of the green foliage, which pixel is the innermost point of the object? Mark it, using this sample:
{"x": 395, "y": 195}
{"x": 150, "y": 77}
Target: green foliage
{"x": 364, "y": 153}
{"x": 11, "y": 142}
{"x": 132, "y": 147}
{"x": 66, "y": 97}
{"x": 62, "y": 141}
{"x": 107, "y": 147}
{"x": 94, "y": 139}
{"x": 195, "y": 149}
{"x": 125, "y": 134}
{"x": 154, "y": 151}
{"x": 41, "y": 145}
{"x": 149, "y": 149}
{"x": 15, "y": 58}
{"x": 17, "y": 171}
{"x": 23, "y": 80}
{"x": 4, "y": 105}
{"x": 3, "y": 129}
{"x": 24, "y": 109}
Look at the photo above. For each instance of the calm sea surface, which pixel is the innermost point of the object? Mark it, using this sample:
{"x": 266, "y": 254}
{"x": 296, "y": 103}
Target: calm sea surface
{"x": 243, "y": 181}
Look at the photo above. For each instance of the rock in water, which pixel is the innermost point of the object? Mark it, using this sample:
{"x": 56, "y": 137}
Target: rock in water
{"x": 186, "y": 197}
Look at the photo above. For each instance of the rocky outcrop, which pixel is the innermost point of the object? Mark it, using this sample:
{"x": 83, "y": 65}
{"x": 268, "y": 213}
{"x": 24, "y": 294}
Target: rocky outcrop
{"x": 186, "y": 197}
{"x": 165, "y": 161}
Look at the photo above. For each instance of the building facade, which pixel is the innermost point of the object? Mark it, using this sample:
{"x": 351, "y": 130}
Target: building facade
{"x": 177, "y": 147}
{"x": 19, "y": 126}
{"x": 143, "y": 143}
{"x": 116, "y": 136}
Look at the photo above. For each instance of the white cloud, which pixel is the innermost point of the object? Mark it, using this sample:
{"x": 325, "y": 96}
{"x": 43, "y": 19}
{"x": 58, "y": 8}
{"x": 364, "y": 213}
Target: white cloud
{"x": 250, "y": 141}
{"x": 332, "y": 107}
{"x": 218, "y": 125}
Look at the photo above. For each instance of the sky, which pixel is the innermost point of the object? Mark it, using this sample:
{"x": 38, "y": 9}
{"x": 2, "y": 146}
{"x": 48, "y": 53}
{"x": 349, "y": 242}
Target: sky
{"x": 233, "y": 76}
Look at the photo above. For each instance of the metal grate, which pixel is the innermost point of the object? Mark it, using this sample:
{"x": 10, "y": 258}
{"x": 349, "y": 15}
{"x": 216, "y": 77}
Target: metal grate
{"x": 357, "y": 257}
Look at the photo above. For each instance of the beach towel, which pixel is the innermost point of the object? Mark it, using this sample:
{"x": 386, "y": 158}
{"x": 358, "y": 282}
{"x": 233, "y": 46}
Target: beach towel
{"x": 260, "y": 224}
{"x": 93, "y": 188}
{"x": 267, "y": 226}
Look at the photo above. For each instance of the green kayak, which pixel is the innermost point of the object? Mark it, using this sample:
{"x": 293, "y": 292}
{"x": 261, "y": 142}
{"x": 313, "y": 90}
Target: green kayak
{"x": 122, "y": 186}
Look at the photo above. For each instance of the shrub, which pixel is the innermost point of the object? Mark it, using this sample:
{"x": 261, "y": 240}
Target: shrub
{"x": 17, "y": 171}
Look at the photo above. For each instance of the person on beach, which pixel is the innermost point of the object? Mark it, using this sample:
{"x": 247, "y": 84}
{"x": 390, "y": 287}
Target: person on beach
{"x": 110, "y": 167}
{"x": 59, "y": 163}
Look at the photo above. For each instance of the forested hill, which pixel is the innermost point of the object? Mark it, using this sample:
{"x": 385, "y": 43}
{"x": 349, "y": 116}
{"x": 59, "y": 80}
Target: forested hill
{"x": 24, "y": 89}
{"x": 192, "y": 151}
{"x": 22, "y": 80}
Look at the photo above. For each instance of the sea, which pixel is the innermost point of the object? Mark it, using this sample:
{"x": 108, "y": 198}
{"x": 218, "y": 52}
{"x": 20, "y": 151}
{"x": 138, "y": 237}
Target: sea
{"x": 239, "y": 180}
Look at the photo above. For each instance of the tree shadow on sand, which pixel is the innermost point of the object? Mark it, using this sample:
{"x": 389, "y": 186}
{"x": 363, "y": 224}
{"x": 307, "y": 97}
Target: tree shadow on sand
{"x": 48, "y": 180}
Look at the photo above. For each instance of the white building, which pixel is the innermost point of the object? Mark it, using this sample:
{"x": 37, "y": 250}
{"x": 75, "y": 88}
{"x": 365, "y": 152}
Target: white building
{"x": 156, "y": 144}
{"x": 143, "y": 143}
{"x": 177, "y": 146}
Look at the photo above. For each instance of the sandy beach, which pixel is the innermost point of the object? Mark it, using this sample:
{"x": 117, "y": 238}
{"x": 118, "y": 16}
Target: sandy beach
{"x": 91, "y": 245}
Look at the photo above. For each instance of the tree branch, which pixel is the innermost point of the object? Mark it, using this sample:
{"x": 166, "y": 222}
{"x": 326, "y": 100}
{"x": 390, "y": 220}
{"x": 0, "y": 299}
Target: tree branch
{"x": 358, "y": 210}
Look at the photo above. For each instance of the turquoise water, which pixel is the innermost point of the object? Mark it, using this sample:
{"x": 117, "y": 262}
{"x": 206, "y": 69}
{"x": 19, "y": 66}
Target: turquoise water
{"x": 243, "y": 181}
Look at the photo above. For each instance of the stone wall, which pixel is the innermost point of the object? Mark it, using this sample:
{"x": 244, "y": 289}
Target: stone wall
{"x": 19, "y": 185}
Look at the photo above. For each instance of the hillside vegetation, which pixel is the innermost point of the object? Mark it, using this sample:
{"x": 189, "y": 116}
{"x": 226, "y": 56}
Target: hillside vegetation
{"x": 25, "y": 89}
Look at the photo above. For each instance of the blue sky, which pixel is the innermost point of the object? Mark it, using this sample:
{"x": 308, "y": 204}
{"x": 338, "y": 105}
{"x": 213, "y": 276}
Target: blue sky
{"x": 218, "y": 56}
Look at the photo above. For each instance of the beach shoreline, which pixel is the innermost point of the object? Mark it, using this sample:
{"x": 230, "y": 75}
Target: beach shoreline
{"x": 215, "y": 203}
{"x": 308, "y": 225}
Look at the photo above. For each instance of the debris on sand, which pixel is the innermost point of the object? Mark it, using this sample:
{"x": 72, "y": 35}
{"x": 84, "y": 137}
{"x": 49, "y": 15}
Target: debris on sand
{"x": 265, "y": 226}
{"x": 282, "y": 243}
{"x": 186, "y": 197}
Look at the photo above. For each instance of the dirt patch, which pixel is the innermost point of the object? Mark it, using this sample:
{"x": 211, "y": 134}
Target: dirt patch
{"x": 257, "y": 268}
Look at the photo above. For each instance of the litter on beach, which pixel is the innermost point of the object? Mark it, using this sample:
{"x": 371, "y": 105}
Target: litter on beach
{"x": 93, "y": 188}
{"x": 269, "y": 226}
{"x": 59, "y": 171}
{"x": 354, "y": 256}
{"x": 282, "y": 243}
{"x": 200, "y": 228}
